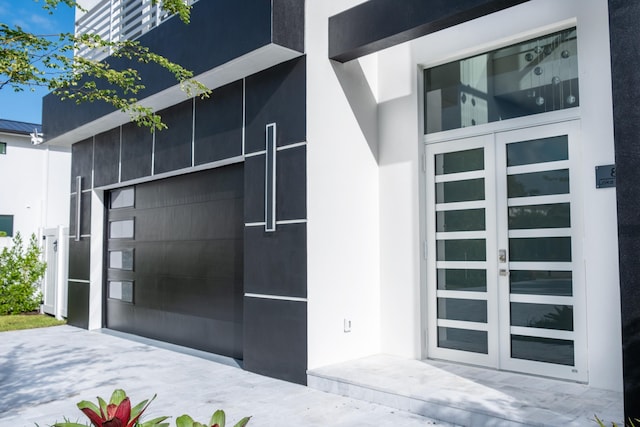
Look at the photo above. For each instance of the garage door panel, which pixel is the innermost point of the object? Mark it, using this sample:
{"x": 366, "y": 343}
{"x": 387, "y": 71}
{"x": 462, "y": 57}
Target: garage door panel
{"x": 188, "y": 255}
{"x": 182, "y": 190}
{"x": 207, "y": 220}
{"x": 216, "y": 259}
{"x": 212, "y": 335}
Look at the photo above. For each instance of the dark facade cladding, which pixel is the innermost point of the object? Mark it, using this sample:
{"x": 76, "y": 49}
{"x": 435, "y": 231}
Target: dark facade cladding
{"x": 224, "y": 29}
{"x": 204, "y": 266}
{"x": 378, "y": 24}
{"x": 623, "y": 18}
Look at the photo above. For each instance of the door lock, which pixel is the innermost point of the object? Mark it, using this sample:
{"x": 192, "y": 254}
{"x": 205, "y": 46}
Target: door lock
{"x": 504, "y": 272}
{"x": 502, "y": 255}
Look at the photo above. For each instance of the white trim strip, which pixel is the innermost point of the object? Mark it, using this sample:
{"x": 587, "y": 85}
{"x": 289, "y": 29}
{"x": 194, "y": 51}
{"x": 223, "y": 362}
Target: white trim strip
{"x": 540, "y": 266}
{"x": 463, "y": 265}
{"x": 543, "y": 333}
{"x": 461, "y": 235}
{"x": 244, "y": 112}
{"x": 79, "y": 281}
{"x": 283, "y": 222}
{"x": 294, "y": 145}
{"x": 193, "y": 132}
{"x": 291, "y": 221}
{"x": 477, "y": 296}
{"x": 542, "y": 299}
{"x": 270, "y": 178}
{"x": 78, "y": 208}
{"x": 120, "y": 157}
{"x": 255, "y": 153}
{"x": 275, "y": 297}
{"x": 457, "y": 206}
{"x": 459, "y": 324}
{"x": 539, "y": 232}
{"x": 538, "y": 167}
{"x": 460, "y": 176}
{"x": 539, "y": 200}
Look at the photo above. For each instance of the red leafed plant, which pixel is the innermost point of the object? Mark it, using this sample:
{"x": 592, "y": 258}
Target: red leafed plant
{"x": 117, "y": 413}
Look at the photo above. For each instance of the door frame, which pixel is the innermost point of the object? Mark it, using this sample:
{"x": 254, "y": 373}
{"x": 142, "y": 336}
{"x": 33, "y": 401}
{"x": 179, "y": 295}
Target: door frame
{"x": 487, "y": 136}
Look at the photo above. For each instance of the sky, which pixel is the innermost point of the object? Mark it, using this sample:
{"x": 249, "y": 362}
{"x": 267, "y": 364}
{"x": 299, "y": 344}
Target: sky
{"x": 26, "y": 106}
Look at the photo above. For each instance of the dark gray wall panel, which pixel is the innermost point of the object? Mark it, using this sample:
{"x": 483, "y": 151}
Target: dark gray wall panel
{"x": 254, "y": 189}
{"x": 625, "y": 60}
{"x": 288, "y": 23}
{"x": 173, "y": 145}
{"x": 107, "y": 153}
{"x": 220, "y": 31}
{"x": 82, "y": 163}
{"x": 85, "y": 214}
{"x": 277, "y": 95}
{"x": 78, "y": 304}
{"x": 291, "y": 183}
{"x": 378, "y": 24}
{"x": 276, "y": 262}
{"x": 79, "y": 259}
{"x": 218, "y": 130}
{"x": 275, "y": 338}
{"x": 188, "y": 261}
{"x": 137, "y": 146}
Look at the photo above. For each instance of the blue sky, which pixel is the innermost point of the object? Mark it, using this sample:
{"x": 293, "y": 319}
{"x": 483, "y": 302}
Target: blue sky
{"x": 26, "y": 106}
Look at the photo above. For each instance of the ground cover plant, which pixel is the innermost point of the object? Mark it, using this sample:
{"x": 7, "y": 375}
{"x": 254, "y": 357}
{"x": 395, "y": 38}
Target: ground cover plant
{"x": 119, "y": 413}
{"x": 27, "y": 321}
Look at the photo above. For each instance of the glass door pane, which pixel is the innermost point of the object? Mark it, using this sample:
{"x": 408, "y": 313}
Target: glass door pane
{"x": 536, "y": 227}
{"x": 460, "y": 179}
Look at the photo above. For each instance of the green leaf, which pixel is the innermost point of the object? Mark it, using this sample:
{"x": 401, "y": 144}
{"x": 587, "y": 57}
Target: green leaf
{"x": 138, "y": 408}
{"x": 117, "y": 397}
{"x": 156, "y": 422}
{"x": 184, "y": 421}
{"x": 69, "y": 425}
{"x": 103, "y": 406}
{"x": 243, "y": 422}
{"x": 218, "y": 417}
{"x": 90, "y": 405}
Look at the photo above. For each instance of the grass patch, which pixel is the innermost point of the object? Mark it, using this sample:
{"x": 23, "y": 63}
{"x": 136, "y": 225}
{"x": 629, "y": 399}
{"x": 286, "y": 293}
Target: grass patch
{"x": 16, "y": 322}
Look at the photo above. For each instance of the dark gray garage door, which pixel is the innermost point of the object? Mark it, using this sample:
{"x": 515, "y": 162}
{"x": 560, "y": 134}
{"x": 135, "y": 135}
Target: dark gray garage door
{"x": 175, "y": 260}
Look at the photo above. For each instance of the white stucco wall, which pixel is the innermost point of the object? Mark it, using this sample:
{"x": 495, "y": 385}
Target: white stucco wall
{"x": 35, "y": 186}
{"x": 342, "y": 198}
{"x": 365, "y": 183}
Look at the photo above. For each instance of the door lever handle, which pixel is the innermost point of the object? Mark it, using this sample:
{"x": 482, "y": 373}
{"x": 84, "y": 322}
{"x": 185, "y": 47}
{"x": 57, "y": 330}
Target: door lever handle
{"x": 502, "y": 255}
{"x": 504, "y": 272}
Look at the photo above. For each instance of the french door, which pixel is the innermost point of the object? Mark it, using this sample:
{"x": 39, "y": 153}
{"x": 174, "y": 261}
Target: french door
{"x": 504, "y": 276}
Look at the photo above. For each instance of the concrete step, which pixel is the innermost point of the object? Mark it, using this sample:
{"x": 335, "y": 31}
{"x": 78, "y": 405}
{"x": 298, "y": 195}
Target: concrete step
{"x": 468, "y": 396}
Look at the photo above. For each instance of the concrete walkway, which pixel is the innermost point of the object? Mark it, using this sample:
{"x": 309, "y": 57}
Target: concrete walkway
{"x": 45, "y": 372}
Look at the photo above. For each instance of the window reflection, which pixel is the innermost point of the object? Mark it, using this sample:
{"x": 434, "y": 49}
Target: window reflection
{"x": 532, "y": 77}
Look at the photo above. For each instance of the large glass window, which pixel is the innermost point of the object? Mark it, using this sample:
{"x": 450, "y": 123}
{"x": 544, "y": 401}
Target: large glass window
{"x": 6, "y": 225}
{"x": 532, "y": 77}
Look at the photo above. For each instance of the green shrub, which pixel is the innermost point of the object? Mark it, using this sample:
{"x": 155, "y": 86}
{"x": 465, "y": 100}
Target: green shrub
{"x": 20, "y": 272}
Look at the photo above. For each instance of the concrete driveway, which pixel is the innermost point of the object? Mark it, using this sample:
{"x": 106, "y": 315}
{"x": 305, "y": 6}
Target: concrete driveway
{"x": 45, "y": 372}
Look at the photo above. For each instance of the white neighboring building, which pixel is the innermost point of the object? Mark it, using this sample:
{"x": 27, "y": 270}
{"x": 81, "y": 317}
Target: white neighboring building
{"x": 34, "y": 201}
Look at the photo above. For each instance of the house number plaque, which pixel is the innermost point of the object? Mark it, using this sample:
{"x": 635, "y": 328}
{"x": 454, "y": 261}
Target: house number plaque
{"x": 605, "y": 176}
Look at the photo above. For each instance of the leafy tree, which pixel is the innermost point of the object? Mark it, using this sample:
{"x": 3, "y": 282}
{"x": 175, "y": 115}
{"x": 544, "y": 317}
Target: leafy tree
{"x": 29, "y": 60}
{"x": 20, "y": 272}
